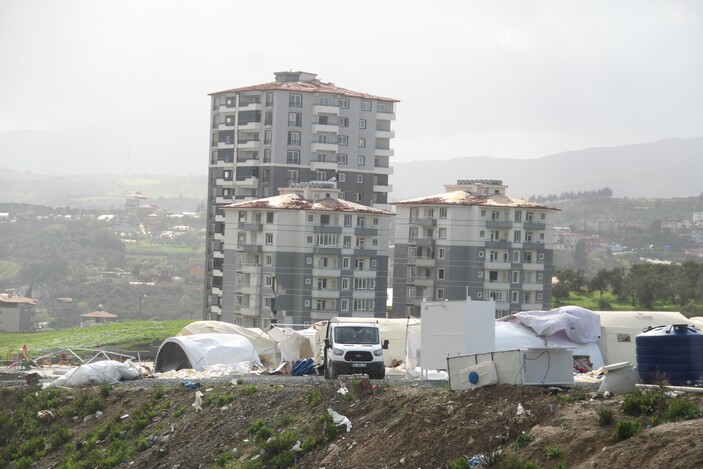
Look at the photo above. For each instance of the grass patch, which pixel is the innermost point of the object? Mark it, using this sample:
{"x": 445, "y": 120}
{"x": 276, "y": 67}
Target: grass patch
{"x": 626, "y": 429}
{"x": 522, "y": 440}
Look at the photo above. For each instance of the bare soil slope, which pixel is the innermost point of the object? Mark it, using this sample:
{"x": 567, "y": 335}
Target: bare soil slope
{"x": 393, "y": 426}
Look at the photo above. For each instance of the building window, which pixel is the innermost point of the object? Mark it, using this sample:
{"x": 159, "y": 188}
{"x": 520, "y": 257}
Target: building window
{"x": 294, "y": 138}
{"x": 269, "y": 217}
{"x": 347, "y": 220}
{"x": 295, "y": 100}
{"x": 343, "y": 122}
{"x": 346, "y": 261}
{"x": 359, "y": 197}
{"x": 516, "y": 276}
{"x": 268, "y": 259}
{"x": 441, "y": 253}
{"x": 483, "y": 213}
{"x": 480, "y": 274}
{"x": 269, "y": 99}
{"x": 517, "y": 236}
{"x": 268, "y": 119}
{"x": 442, "y": 233}
{"x": 320, "y": 175}
{"x": 347, "y": 241}
{"x": 443, "y": 212}
{"x": 269, "y": 238}
{"x": 292, "y": 176}
{"x": 360, "y": 178}
{"x": 480, "y": 254}
{"x": 479, "y": 294}
{"x": 322, "y": 157}
{"x": 267, "y": 155}
{"x": 366, "y": 105}
{"x": 360, "y": 160}
{"x": 342, "y": 140}
{"x": 342, "y": 158}
{"x": 295, "y": 119}
{"x": 344, "y": 305}
{"x": 514, "y": 297}
{"x": 540, "y": 276}
{"x": 344, "y": 103}
{"x": 516, "y": 257}
{"x": 342, "y": 177}
{"x": 362, "y": 123}
{"x": 374, "y": 242}
{"x": 293, "y": 157}
{"x": 541, "y": 216}
{"x": 482, "y": 234}
{"x": 268, "y": 280}
{"x": 440, "y": 293}
{"x": 440, "y": 274}
{"x": 541, "y": 236}
{"x": 540, "y": 256}
{"x": 268, "y": 135}
{"x": 373, "y": 262}
{"x": 539, "y": 296}
{"x": 362, "y": 142}
{"x": 518, "y": 216}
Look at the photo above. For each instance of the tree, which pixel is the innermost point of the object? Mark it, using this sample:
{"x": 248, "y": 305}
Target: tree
{"x": 600, "y": 281}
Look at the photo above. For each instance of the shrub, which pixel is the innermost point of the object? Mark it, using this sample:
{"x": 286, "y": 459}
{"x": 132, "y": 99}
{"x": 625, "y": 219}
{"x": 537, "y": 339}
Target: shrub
{"x": 249, "y": 390}
{"x": 460, "y": 463}
{"x": 313, "y": 398}
{"x": 637, "y": 402}
{"x": 682, "y": 409}
{"x": 605, "y": 417}
{"x": 105, "y": 389}
{"x": 522, "y": 440}
{"x": 626, "y": 429}
{"x": 552, "y": 452}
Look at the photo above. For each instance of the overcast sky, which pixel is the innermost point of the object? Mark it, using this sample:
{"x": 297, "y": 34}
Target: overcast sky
{"x": 517, "y": 79}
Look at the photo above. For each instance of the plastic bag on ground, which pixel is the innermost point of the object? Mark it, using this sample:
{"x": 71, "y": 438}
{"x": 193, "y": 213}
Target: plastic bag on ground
{"x": 340, "y": 420}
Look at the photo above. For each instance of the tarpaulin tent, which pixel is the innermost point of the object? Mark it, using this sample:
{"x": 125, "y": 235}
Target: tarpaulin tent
{"x": 293, "y": 344}
{"x": 202, "y": 350}
{"x": 262, "y": 342}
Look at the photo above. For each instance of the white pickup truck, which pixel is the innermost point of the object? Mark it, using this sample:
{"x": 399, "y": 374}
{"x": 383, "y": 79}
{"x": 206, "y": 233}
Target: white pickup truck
{"x": 352, "y": 348}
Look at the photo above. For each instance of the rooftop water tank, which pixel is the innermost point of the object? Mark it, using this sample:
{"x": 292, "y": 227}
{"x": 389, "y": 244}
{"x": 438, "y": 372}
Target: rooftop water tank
{"x": 673, "y": 353}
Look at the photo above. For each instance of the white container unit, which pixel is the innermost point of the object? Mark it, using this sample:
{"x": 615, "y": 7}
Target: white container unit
{"x": 534, "y": 366}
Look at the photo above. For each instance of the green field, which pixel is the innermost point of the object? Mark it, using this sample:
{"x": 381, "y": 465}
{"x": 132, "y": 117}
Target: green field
{"x": 124, "y": 335}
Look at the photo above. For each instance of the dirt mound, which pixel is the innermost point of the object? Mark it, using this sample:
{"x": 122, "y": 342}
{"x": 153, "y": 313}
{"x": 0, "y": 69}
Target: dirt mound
{"x": 393, "y": 425}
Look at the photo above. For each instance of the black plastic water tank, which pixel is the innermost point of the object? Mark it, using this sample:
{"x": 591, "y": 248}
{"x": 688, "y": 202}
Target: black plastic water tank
{"x": 673, "y": 352}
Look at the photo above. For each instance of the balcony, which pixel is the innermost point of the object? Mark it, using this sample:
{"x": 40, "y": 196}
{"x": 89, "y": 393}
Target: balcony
{"x": 532, "y": 286}
{"x": 224, "y": 182}
{"x": 217, "y": 272}
{"x": 423, "y": 282}
{"x": 531, "y": 306}
{"x": 532, "y": 266}
{"x": 383, "y": 170}
{"x": 425, "y": 242}
{"x": 325, "y": 129}
{"x": 324, "y": 293}
{"x": 387, "y": 188}
{"x": 248, "y": 289}
{"x": 424, "y": 221}
{"x": 384, "y": 152}
{"x": 216, "y": 291}
{"x": 322, "y": 314}
{"x": 325, "y": 109}
{"x": 364, "y": 294}
{"x": 323, "y": 165}
{"x": 386, "y": 116}
{"x": 224, "y": 126}
{"x": 225, "y": 145}
{"x": 223, "y": 200}
{"x": 218, "y": 235}
{"x": 318, "y": 147}
{"x": 326, "y": 272}
{"x": 499, "y": 243}
{"x": 530, "y": 225}
{"x": 497, "y": 265}
{"x": 219, "y": 218}
{"x": 385, "y": 133}
{"x": 250, "y": 311}
{"x": 496, "y": 286}
{"x": 250, "y": 248}
{"x": 413, "y": 301}
{"x": 364, "y": 273}
{"x": 424, "y": 262}
{"x": 218, "y": 255}
{"x": 251, "y": 182}
{"x": 250, "y": 106}
{"x": 245, "y": 145}
{"x": 250, "y": 268}
{"x": 250, "y": 127}
{"x": 215, "y": 309}
{"x": 499, "y": 224}
{"x": 250, "y": 226}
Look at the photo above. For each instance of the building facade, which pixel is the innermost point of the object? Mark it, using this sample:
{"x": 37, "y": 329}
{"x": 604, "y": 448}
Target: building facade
{"x": 16, "y": 313}
{"x": 294, "y": 129}
{"x": 472, "y": 241}
{"x": 303, "y": 256}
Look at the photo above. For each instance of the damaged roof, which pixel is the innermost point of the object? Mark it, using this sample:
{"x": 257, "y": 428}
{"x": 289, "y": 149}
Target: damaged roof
{"x": 298, "y": 202}
{"x": 312, "y": 86}
{"x": 469, "y": 198}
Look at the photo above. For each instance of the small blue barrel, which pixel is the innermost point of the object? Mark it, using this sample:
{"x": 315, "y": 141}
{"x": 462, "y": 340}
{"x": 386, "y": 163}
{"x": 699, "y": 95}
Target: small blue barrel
{"x": 673, "y": 353}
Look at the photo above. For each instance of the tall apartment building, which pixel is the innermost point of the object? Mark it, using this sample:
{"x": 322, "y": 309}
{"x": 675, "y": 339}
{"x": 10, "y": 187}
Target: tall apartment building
{"x": 472, "y": 241}
{"x": 294, "y": 129}
{"x": 304, "y": 256}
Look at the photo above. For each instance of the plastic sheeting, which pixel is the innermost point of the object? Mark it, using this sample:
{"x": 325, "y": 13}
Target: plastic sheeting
{"x": 202, "y": 350}
{"x": 293, "y": 344}
{"x": 579, "y": 324}
{"x": 262, "y": 342}
{"x": 99, "y": 372}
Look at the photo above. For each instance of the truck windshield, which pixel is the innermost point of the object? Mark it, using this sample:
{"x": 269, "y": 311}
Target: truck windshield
{"x": 356, "y": 335}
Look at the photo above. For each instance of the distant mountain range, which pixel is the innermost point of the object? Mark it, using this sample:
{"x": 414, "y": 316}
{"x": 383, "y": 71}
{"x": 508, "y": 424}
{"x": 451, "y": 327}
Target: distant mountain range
{"x": 662, "y": 169}
{"x": 35, "y": 168}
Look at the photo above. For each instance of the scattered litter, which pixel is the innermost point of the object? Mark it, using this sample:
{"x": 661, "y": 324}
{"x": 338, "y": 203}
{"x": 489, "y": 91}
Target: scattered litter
{"x": 520, "y": 409}
{"x": 340, "y": 420}
{"x": 234, "y": 382}
{"x": 98, "y": 414}
{"x": 343, "y": 389}
{"x": 191, "y": 384}
{"x": 45, "y": 415}
{"x": 302, "y": 367}
{"x": 125, "y": 416}
{"x": 296, "y": 447}
{"x": 198, "y": 404}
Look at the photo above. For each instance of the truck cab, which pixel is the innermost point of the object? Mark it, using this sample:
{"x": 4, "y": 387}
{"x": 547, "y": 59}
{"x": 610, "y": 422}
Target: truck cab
{"x": 352, "y": 348}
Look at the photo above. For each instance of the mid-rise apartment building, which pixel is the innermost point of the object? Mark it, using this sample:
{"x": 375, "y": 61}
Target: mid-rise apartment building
{"x": 294, "y": 129}
{"x": 303, "y": 256}
{"x": 472, "y": 241}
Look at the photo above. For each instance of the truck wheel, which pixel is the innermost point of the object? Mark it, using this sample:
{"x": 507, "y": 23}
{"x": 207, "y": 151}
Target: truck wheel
{"x": 333, "y": 372}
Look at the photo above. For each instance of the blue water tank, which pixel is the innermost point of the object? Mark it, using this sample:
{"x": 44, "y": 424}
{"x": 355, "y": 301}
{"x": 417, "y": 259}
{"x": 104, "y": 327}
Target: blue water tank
{"x": 673, "y": 352}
